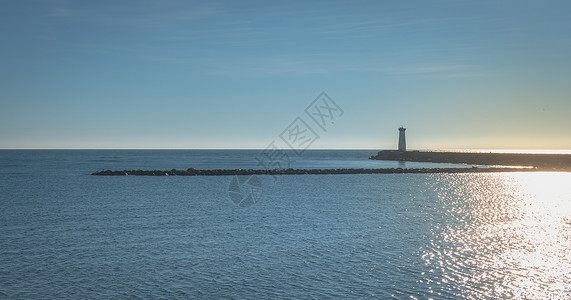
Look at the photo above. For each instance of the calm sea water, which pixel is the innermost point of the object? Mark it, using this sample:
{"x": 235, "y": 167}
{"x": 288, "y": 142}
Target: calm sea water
{"x": 66, "y": 234}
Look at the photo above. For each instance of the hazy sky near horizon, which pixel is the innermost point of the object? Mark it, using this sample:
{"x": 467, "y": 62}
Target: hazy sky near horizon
{"x": 235, "y": 74}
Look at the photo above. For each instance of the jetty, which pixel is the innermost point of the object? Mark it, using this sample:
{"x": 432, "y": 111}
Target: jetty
{"x": 544, "y": 162}
{"x": 231, "y": 172}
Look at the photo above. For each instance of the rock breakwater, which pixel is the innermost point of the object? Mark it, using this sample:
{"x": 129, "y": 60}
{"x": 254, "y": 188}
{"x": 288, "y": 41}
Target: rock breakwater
{"x": 229, "y": 172}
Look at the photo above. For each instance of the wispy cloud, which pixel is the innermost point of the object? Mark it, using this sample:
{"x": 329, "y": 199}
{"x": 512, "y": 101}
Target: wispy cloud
{"x": 266, "y": 66}
{"x": 63, "y": 12}
{"x": 441, "y": 70}
{"x": 139, "y": 14}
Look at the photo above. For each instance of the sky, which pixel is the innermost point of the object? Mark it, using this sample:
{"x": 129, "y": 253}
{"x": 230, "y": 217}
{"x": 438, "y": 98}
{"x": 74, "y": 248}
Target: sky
{"x": 236, "y": 74}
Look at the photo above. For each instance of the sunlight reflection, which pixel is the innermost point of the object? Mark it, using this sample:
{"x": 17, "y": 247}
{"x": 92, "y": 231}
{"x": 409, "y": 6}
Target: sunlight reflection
{"x": 510, "y": 237}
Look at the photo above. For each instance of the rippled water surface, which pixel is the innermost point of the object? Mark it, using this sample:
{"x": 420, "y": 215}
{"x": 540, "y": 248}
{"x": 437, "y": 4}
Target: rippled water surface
{"x": 66, "y": 234}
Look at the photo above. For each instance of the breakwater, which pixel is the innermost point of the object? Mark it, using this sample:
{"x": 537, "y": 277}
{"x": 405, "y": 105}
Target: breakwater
{"x": 229, "y": 172}
{"x": 543, "y": 161}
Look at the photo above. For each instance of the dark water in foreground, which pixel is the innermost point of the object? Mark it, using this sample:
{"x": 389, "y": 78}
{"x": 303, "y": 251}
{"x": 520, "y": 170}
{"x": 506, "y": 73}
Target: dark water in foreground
{"x": 66, "y": 234}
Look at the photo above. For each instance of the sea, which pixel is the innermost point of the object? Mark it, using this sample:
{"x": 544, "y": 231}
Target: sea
{"x": 66, "y": 234}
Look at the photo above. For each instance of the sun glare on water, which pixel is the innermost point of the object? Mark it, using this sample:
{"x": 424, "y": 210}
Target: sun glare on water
{"x": 511, "y": 238}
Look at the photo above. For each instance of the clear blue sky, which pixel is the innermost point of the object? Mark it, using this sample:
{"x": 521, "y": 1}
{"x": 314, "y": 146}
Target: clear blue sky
{"x": 235, "y": 74}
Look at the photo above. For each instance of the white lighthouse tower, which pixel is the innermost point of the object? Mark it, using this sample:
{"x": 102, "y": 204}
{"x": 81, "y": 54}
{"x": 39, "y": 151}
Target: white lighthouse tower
{"x": 402, "y": 139}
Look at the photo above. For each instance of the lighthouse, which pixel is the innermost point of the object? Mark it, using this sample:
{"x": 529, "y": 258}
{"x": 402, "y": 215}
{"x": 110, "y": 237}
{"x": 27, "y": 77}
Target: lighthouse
{"x": 402, "y": 139}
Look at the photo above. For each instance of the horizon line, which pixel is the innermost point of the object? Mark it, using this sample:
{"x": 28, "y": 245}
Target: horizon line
{"x": 504, "y": 150}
